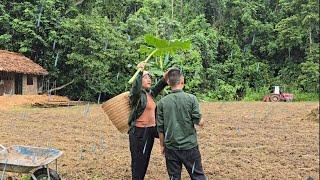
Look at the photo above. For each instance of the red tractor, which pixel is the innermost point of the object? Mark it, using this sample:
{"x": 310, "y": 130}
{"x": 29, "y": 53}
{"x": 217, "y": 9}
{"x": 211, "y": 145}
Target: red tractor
{"x": 277, "y": 96}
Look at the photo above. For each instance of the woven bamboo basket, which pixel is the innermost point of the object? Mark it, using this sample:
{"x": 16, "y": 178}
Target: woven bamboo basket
{"x": 118, "y": 111}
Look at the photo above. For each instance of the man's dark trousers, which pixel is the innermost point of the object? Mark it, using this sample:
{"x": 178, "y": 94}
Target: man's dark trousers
{"x": 141, "y": 143}
{"x": 190, "y": 158}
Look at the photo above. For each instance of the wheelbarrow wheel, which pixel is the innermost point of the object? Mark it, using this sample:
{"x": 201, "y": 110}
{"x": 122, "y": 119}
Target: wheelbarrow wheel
{"x": 41, "y": 174}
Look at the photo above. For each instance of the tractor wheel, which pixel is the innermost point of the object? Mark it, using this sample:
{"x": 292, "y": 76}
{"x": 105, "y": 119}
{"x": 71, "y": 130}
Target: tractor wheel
{"x": 274, "y": 98}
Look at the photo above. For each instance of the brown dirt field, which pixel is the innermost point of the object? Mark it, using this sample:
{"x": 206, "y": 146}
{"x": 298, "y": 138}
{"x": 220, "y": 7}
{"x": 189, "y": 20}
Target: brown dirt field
{"x": 10, "y": 101}
{"x": 313, "y": 115}
{"x": 241, "y": 140}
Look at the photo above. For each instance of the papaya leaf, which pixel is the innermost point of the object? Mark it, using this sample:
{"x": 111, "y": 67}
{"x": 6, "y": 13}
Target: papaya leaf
{"x": 145, "y": 49}
{"x": 163, "y": 46}
{"x": 155, "y": 42}
{"x": 173, "y": 47}
{"x": 159, "y": 48}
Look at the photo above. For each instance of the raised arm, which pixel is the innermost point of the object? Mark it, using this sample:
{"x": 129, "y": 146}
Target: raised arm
{"x": 137, "y": 85}
{"x": 136, "y": 89}
{"x": 155, "y": 90}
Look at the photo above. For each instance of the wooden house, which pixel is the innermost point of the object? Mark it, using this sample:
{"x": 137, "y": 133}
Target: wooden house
{"x": 19, "y": 74}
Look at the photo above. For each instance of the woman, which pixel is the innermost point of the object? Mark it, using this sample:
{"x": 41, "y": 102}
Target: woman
{"x": 142, "y": 123}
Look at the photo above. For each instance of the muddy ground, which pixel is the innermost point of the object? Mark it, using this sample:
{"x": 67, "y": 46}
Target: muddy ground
{"x": 241, "y": 140}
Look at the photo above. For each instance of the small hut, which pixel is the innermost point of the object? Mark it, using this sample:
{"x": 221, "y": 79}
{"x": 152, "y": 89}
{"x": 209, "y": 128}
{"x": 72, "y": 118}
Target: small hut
{"x": 19, "y": 74}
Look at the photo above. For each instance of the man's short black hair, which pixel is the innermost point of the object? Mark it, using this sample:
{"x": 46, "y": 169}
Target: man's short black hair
{"x": 174, "y": 76}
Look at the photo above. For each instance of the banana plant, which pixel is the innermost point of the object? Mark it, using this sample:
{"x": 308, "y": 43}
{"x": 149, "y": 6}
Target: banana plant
{"x": 159, "y": 48}
{"x": 160, "y": 64}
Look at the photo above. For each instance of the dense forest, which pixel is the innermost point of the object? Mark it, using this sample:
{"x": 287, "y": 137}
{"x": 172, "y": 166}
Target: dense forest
{"x": 239, "y": 48}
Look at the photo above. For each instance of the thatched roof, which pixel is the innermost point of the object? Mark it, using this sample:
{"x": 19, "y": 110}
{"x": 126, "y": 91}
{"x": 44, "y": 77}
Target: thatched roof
{"x": 17, "y": 63}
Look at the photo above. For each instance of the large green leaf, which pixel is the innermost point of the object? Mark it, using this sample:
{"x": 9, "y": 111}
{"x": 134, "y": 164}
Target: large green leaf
{"x": 163, "y": 46}
{"x": 155, "y": 42}
{"x": 160, "y": 47}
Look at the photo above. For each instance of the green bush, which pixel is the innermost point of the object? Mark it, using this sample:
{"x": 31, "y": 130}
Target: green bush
{"x": 238, "y": 47}
{"x": 256, "y": 95}
{"x": 305, "y": 96}
{"x": 209, "y": 96}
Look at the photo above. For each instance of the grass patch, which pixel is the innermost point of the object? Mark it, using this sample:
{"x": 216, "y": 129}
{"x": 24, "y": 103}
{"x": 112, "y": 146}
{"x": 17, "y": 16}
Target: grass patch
{"x": 258, "y": 95}
{"x": 252, "y": 95}
{"x": 304, "y": 96}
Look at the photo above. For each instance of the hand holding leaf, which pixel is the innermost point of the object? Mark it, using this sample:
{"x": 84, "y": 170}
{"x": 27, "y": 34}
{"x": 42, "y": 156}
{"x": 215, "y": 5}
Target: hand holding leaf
{"x": 141, "y": 65}
{"x": 160, "y": 47}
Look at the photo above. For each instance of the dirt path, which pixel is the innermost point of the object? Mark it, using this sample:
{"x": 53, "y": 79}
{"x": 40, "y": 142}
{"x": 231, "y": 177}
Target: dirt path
{"x": 240, "y": 141}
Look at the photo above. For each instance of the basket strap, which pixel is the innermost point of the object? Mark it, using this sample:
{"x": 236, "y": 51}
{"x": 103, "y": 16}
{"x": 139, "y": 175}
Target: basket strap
{"x": 132, "y": 123}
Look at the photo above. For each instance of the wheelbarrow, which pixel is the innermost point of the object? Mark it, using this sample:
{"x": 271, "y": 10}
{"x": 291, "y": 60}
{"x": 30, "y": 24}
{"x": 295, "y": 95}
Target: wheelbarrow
{"x": 29, "y": 160}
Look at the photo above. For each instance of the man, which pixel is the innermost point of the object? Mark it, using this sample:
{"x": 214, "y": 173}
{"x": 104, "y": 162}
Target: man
{"x": 177, "y": 113}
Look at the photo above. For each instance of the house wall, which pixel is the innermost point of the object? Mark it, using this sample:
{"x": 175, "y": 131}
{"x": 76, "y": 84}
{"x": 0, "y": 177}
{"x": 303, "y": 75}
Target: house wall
{"x": 29, "y": 89}
{"x": 6, "y": 83}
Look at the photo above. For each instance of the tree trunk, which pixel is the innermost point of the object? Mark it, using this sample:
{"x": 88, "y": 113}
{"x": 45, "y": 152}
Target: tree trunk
{"x": 310, "y": 38}
{"x": 289, "y": 52}
{"x": 171, "y": 9}
{"x": 181, "y": 10}
{"x": 61, "y": 87}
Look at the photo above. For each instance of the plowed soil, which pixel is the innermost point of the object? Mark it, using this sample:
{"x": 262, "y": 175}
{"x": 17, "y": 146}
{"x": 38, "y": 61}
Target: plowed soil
{"x": 240, "y": 140}
{"x": 11, "y": 101}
